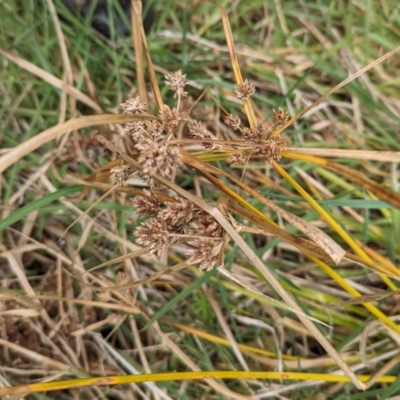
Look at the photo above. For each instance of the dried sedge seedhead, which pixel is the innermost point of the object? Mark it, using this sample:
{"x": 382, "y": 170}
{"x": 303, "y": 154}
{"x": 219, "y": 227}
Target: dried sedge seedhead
{"x": 155, "y": 130}
{"x": 207, "y": 115}
{"x": 206, "y": 254}
{"x": 198, "y": 130}
{"x": 250, "y": 135}
{"x": 273, "y": 148}
{"x": 140, "y": 131}
{"x": 119, "y": 174}
{"x": 236, "y": 159}
{"x": 245, "y": 90}
{"x": 156, "y": 158}
{"x": 156, "y": 232}
{"x": 208, "y": 226}
{"x": 261, "y": 129}
{"x": 170, "y": 118}
{"x": 255, "y": 134}
{"x": 179, "y": 213}
{"x": 280, "y": 116}
{"x": 153, "y": 233}
{"x": 136, "y": 130}
{"x": 146, "y": 205}
{"x": 232, "y": 122}
{"x": 134, "y": 105}
{"x": 176, "y": 82}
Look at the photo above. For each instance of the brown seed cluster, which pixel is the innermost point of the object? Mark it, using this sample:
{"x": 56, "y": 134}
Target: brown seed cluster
{"x": 179, "y": 213}
{"x": 146, "y": 205}
{"x": 232, "y": 122}
{"x": 236, "y": 159}
{"x": 260, "y": 136}
{"x": 119, "y": 174}
{"x": 134, "y": 105}
{"x": 181, "y": 221}
{"x": 197, "y": 130}
{"x": 273, "y": 147}
{"x": 280, "y": 117}
{"x": 176, "y": 82}
{"x": 245, "y": 90}
{"x": 206, "y": 253}
{"x": 261, "y": 144}
{"x": 157, "y": 158}
{"x": 152, "y": 137}
{"x": 170, "y": 118}
{"x": 178, "y": 220}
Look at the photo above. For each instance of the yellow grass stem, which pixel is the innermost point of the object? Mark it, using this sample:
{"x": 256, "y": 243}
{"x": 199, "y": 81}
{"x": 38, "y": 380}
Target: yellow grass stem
{"x": 182, "y": 376}
{"x": 342, "y": 282}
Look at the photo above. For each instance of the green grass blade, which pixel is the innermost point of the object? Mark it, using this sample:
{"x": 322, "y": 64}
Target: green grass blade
{"x": 37, "y": 205}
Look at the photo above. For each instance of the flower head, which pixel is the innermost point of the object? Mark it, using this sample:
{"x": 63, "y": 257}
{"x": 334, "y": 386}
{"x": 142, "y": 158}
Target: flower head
{"x": 206, "y": 254}
{"x": 176, "y": 82}
{"x": 156, "y": 158}
{"x": 280, "y": 117}
{"x": 245, "y": 90}
{"x": 273, "y": 147}
{"x": 147, "y": 204}
{"x": 232, "y": 122}
{"x": 134, "y": 105}
{"x": 179, "y": 213}
{"x": 119, "y": 174}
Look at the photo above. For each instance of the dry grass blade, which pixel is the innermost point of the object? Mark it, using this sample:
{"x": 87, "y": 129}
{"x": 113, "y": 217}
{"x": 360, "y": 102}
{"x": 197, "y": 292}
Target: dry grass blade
{"x": 209, "y": 379}
{"x": 370, "y": 155}
{"x": 57, "y": 83}
{"x": 228, "y": 332}
{"x": 374, "y": 327}
{"x": 133, "y": 254}
{"x": 152, "y": 278}
{"x": 303, "y": 245}
{"x": 380, "y": 266}
{"x": 235, "y": 64}
{"x": 150, "y": 67}
{"x": 207, "y": 376}
{"x": 47, "y": 135}
{"x": 366, "y": 298}
{"x": 64, "y": 52}
{"x": 137, "y": 28}
{"x": 33, "y": 355}
{"x": 350, "y": 289}
{"x": 382, "y": 192}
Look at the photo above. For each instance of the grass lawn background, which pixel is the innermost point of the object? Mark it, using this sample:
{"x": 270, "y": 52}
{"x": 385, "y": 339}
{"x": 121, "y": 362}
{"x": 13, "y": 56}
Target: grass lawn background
{"x": 293, "y": 52}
